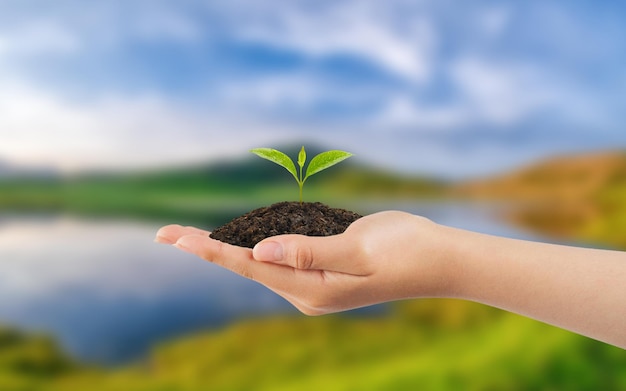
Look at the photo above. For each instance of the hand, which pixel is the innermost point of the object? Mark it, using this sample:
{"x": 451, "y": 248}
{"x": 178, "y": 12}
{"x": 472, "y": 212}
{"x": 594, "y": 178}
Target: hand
{"x": 380, "y": 257}
{"x": 395, "y": 255}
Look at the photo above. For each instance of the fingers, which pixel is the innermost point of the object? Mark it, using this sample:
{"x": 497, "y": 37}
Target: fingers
{"x": 332, "y": 253}
{"x": 196, "y": 241}
{"x": 312, "y": 290}
{"x": 279, "y": 278}
{"x": 171, "y": 233}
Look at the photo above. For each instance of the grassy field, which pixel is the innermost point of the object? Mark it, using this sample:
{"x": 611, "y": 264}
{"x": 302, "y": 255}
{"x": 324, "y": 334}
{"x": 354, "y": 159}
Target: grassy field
{"x": 202, "y": 193}
{"x": 427, "y": 344}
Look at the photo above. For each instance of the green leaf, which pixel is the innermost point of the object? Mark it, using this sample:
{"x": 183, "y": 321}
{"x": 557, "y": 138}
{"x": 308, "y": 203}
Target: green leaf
{"x": 277, "y": 157}
{"x": 325, "y": 160}
{"x": 302, "y": 157}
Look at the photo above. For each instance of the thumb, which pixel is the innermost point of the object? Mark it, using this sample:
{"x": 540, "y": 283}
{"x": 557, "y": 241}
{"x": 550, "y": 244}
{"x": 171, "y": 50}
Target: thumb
{"x": 333, "y": 253}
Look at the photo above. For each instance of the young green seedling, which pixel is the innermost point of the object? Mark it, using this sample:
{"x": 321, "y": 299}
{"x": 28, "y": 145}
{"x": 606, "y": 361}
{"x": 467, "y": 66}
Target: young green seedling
{"x": 317, "y": 164}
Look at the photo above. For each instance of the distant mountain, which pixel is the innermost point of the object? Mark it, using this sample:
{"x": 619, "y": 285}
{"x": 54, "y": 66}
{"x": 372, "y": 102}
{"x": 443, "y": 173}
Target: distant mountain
{"x": 563, "y": 177}
{"x": 5, "y": 168}
{"x": 250, "y": 172}
{"x": 9, "y": 170}
{"x": 581, "y": 195}
{"x": 216, "y": 191}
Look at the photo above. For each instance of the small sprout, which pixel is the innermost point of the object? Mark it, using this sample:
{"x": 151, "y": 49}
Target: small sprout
{"x": 317, "y": 164}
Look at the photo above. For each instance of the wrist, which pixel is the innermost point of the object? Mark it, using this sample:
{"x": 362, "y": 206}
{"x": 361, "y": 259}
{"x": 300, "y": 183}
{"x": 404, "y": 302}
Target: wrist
{"x": 454, "y": 248}
{"x": 435, "y": 259}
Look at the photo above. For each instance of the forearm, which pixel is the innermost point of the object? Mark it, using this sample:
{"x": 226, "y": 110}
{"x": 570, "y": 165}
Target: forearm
{"x": 582, "y": 290}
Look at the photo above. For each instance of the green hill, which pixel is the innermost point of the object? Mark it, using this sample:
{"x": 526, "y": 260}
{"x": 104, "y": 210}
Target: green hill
{"x": 217, "y": 191}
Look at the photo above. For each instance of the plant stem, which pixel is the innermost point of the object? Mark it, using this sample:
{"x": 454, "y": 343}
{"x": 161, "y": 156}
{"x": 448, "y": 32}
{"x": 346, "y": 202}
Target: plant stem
{"x": 301, "y": 183}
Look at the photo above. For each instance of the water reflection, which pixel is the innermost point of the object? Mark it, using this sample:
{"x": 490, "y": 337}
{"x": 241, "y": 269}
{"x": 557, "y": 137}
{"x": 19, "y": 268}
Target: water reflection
{"x": 108, "y": 292}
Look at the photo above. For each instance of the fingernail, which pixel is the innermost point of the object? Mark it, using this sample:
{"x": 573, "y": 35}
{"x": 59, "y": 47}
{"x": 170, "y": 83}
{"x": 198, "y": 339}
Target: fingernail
{"x": 268, "y": 252}
{"x": 182, "y": 243}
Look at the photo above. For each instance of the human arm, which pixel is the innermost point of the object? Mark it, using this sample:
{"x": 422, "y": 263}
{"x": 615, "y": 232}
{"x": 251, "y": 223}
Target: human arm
{"x": 396, "y": 255}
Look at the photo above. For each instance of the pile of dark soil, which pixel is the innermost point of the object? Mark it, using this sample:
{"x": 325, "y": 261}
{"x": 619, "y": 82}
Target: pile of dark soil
{"x": 308, "y": 218}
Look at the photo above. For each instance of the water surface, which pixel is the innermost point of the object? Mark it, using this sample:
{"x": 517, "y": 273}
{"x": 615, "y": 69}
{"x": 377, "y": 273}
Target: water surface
{"x": 107, "y": 292}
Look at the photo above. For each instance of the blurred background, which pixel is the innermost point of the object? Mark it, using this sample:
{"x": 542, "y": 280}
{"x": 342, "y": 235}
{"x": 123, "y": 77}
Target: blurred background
{"x": 117, "y": 117}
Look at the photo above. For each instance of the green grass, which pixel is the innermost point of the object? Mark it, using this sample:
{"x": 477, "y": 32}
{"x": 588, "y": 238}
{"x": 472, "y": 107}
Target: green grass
{"x": 198, "y": 194}
{"x": 427, "y": 344}
{"x": 609, "y": 224}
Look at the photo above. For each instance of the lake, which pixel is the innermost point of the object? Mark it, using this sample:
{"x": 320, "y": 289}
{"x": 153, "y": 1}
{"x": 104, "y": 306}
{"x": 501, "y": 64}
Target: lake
{"x": 107, "y": 292}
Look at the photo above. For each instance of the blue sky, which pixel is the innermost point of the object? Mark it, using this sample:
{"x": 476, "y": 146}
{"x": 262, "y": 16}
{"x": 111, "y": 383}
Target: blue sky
{"x": 452, "y": 88}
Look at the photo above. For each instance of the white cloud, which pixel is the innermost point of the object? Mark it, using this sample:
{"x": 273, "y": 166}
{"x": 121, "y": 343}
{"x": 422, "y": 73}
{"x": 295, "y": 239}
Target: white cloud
{"x": 39, "y": 128}
{"x": 404, "y": 113}
{"x": 298, "y": 92}
{"x": 485, "y": 93}
{"x": 502, "y": 94}
{"x": 162, "y": 21}
{"x": 494, "y": 20}
{"x": 36, "y": 123}
{"x": 4, "y": 45}
{"x": 37, "y": 38}
{"x": 269, "y": 93}
{"x": 67, "y": 28}
{"x": 353, "y": 28}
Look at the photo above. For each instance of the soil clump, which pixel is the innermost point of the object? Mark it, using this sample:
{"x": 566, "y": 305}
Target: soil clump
{"x": 308, "y": 218}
